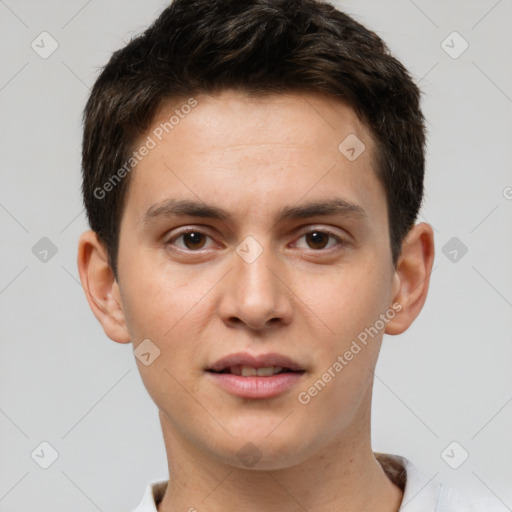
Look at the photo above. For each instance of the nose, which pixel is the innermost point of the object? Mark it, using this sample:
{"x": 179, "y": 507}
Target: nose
{"x": 255, "y": 293}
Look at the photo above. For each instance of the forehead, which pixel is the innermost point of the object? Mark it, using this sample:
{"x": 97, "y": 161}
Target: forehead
{"x": 269, "y": 152}
{"x": 237, "y": 120}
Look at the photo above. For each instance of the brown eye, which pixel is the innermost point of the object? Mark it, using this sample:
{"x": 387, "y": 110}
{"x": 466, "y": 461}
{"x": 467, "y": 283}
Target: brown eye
{"x": 321, "y": 241}
{"x": 317, "y": 239}
{"x": 190, "y": 240}
{"x": 193, "y": 240}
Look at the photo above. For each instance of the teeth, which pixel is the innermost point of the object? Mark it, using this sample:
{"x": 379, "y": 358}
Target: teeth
{"x": 268, "y": 371}
{"x": 248, "y": 371}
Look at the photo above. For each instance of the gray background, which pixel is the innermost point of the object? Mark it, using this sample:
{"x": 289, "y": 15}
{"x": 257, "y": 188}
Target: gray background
{"x": 448, "y": 378}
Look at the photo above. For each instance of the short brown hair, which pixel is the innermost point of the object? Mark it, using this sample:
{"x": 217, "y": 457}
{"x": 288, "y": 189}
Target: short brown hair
{"x": 260, "y": 47}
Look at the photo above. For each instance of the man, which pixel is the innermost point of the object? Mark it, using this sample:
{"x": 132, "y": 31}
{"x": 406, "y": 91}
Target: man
{"x": 252, "y": 173}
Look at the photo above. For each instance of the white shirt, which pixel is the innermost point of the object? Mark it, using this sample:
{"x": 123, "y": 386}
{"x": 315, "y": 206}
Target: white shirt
{"x": 420, "y": 494}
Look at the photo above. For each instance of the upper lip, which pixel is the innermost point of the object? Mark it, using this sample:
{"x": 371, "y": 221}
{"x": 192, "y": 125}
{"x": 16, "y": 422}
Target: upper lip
{"x": 255, "y": 361}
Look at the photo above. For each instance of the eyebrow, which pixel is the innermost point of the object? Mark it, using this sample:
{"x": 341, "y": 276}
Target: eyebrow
{"x": 192, "y": 208}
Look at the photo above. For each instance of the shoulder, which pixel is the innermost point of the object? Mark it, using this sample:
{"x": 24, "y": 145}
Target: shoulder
{"x": 453, "y": 499}
{"x": 422, "y": 494}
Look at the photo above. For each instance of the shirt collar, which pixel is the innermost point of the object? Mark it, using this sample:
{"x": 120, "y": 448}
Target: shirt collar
{"x": 420, "y": 493}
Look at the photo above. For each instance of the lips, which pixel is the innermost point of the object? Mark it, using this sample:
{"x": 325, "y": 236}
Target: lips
{"x": 247, "y": 365}
{"x": 256, "y": 377}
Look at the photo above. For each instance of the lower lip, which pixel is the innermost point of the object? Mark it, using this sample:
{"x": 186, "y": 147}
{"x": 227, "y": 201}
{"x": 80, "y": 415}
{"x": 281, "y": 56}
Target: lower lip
{"x": 256, "y": 387}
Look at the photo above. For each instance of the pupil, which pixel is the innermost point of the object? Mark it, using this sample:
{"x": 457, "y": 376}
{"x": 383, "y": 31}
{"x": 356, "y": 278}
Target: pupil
{"x": 317, "y": 237}
{"x": 192, "y": 239}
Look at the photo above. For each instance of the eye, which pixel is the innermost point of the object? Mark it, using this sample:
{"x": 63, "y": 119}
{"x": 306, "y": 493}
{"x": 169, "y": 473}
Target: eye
{"x": 193, "y": 240}
{"x": 318, "y": 239}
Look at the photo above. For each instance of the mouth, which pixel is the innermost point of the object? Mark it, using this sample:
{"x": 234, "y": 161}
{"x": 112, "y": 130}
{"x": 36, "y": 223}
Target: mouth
{"x": 250, "y": 371}
{"x": 263, "y": 376}
{"x": 248, "y": 365}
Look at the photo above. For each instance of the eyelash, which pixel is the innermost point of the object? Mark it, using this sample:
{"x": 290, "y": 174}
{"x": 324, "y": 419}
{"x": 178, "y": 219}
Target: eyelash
{"x": 341, "y": 241}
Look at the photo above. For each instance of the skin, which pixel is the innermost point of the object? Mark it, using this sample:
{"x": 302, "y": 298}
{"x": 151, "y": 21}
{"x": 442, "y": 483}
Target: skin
{"x": 304, "y": 297}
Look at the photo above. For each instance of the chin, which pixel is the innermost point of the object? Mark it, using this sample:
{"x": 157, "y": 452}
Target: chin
{"x": 264, "y": 451}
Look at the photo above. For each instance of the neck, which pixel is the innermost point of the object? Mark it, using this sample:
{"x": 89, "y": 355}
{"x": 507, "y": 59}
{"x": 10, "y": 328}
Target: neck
{"x": 341, "y": 475}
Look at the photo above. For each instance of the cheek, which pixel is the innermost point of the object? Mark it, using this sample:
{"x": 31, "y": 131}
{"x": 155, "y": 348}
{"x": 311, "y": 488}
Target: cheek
{"x": 170, "y": 309}
{"x": 346, "y": 300}
{"x": 162, "y": 308}
{"x": 348, "y": 304}
{"x": 154, "y": 300}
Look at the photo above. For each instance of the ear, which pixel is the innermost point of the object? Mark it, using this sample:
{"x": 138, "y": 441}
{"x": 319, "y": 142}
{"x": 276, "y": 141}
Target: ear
{"x": 412, "y": 277}
{"x": 100, "y": 287}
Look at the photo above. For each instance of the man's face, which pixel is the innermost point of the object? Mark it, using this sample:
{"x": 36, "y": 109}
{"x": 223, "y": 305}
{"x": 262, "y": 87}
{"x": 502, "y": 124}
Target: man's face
{"x": 251, "y": 282}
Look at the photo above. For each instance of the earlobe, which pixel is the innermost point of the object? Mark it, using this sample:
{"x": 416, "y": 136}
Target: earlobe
{"x": 100, "y": 287}
{"x": 412, "y": 277}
